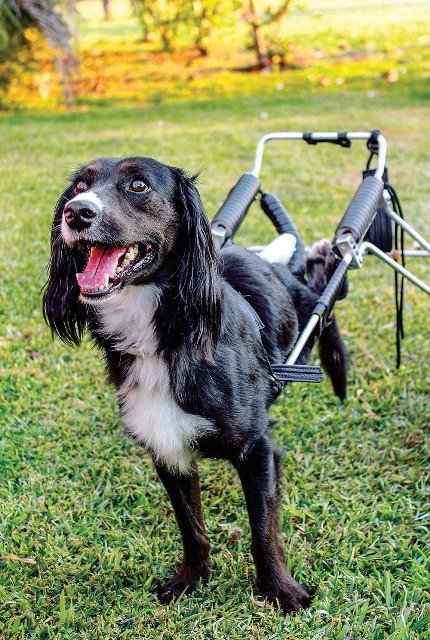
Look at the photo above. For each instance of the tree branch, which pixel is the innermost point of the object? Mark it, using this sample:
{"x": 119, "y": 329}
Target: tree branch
{"x": 279, "y": 14}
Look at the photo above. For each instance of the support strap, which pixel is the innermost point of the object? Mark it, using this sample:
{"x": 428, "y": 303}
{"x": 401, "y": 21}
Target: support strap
{"x": 282, "y": 373}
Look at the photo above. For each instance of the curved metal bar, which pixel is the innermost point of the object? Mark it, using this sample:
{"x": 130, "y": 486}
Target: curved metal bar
{"x": 319, "y": 135}
{"x": 382, "y": 156}
{"x": 276, "y": 135}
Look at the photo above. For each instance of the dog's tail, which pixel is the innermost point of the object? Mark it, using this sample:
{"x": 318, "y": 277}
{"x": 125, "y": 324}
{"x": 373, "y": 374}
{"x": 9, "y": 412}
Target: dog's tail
{"x": 332, "y": 350}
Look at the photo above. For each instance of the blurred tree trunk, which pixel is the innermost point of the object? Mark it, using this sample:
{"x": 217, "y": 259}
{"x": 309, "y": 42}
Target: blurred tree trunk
{"x": 65, "y": 82}
{"x": 258, "y": 40}
{"x": 44, "y": 15}
{"x": 257, "y": 21}
{"x": 107, "y": 9}
{"x": 166, "y": 35}
{"x": 203, "y": 17}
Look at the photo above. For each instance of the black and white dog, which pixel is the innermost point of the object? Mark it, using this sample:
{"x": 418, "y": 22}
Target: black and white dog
{"x": 134, "y": 261}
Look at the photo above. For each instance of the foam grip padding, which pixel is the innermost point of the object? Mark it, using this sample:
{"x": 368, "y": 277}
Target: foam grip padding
{"x": 362, "y": 209}
{"x": 237, "y": 203}
{"x": 283, "y": 223}
{"x": 328, "y": 297}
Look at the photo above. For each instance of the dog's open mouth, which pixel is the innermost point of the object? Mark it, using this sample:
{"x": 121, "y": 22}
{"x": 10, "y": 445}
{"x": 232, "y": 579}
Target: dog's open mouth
{"x": 109, "y": 267}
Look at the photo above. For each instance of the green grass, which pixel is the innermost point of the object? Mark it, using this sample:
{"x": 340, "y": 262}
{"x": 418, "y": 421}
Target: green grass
{"x": 84, "y": 505}
{"x": 86, "y": 530}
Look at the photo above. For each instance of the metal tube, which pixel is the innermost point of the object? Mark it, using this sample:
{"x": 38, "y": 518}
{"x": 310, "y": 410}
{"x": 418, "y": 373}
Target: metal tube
{"x": 407, "y": 227}
{"x": 409, "y": 253}
{"x": 310, "y": 325}
{"x": 368, "y": 247}
{"x": 382, "y": 155}
{"x": 319, "y": 135}
{"x": 276, "y": 135}
{"x": 303, "y": 338}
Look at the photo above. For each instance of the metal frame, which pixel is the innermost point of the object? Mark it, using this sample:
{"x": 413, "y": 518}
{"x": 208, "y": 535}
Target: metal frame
{"x": 368, "y": 247}
{"x": 404, "y": 225}
{"x": 319, "y": 136}
{"x": 308, "y": 330}
{"x": 352, "y": 253}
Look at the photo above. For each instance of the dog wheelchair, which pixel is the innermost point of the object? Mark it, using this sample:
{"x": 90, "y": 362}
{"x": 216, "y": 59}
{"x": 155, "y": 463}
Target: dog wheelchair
{"x": 373, "y": 223}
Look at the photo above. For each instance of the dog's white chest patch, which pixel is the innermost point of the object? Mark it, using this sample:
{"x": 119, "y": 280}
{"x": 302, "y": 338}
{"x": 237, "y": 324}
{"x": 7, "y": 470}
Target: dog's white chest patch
{"x": 148, "y": 408}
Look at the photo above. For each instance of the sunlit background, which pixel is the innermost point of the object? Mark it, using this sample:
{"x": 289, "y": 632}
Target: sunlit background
{"x": 138, "y": 51}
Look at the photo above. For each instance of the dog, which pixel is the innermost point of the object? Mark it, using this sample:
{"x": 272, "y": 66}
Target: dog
{"x": 133, "y": 260}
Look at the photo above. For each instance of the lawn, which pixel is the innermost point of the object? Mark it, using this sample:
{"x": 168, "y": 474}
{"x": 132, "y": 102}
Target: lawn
{"x": 84, "y": 505}
{"x": 86, "y": 528}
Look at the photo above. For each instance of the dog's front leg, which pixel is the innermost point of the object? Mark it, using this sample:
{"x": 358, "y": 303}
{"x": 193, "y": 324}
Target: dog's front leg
{"x": 259, "y": 476}
{"x": 184, "y": 492}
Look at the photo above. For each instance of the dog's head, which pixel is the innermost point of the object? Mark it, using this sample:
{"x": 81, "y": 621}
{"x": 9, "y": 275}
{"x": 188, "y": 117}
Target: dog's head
{"x": 128, "y": 222}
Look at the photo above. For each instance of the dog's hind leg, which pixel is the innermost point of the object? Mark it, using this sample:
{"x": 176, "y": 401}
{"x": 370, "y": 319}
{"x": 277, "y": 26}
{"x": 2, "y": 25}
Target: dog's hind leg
{"x": 184, "y": 492}
{"x": 259, "y": 476}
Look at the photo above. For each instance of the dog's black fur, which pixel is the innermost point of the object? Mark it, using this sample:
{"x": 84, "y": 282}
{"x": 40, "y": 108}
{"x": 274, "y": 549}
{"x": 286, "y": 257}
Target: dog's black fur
{"x": 216, "y": 358}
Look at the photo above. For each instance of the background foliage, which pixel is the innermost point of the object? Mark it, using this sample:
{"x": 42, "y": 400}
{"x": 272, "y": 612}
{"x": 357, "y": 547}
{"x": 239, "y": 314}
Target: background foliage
{"x": 26, "y": 25}
{"x": 319, "y": 44}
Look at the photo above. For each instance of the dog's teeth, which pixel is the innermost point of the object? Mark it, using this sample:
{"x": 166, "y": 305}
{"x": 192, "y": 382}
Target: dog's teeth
{"x": 125, "y": 263}
{"x": 106, "y": 280}
{"x": 118, "y": 269}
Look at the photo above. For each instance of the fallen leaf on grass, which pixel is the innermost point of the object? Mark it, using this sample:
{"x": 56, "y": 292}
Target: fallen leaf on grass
{"x": 18, "y": 559}
{"x": 258, "y": 603}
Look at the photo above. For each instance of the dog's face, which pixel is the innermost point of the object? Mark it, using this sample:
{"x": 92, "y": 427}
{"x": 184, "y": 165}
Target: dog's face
{"x": 122, "y": 221}
{"x": 126, "y": 222}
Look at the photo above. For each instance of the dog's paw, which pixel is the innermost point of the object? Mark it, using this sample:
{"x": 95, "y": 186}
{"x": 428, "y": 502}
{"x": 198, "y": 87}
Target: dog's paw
{"x": 183, "y": 581}
{"x": 172, "y": 589}
{"x": 320, "y": 249}
{"x": 290, "y": 597}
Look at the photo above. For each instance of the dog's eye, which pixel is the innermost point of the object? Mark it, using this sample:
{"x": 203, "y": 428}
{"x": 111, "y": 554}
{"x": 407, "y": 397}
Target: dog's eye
{"x": 138, "y": 186}
{"x": 80, "y": 187}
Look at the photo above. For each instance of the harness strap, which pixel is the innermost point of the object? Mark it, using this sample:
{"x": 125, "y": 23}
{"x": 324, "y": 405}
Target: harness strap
{"x": 281, "y": 374}
{"x": 251, "y": 312}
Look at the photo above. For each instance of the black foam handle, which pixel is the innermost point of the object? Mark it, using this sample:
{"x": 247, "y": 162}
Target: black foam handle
{"x": 328, "y": 297}
{"x": 237, "y": 203}
{"x": 283, "y": 223}
{"x": 362, "y": 209}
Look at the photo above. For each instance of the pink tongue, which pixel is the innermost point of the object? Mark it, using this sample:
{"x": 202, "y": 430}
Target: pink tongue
{"x": 102, "y": 260}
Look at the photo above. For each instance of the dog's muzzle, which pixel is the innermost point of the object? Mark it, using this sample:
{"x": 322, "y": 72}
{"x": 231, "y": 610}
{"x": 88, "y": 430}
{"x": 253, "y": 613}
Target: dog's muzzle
{"x": 80, "y": 214}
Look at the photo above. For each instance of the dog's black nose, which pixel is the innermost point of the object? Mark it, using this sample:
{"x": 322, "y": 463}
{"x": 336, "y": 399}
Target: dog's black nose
{"x": 80, "y": 214}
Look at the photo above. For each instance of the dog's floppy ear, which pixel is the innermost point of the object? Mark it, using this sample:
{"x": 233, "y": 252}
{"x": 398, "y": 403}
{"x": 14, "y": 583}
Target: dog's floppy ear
{"x": 199, "y": 306}
{"x": 62, "y": 311}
